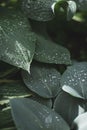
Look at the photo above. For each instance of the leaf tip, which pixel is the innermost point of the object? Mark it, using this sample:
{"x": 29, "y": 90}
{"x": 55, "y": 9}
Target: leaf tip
{"x": 71, "y": 91}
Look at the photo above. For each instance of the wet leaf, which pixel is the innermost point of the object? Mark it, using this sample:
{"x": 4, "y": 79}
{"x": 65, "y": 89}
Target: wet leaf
{"x": 39, "y": 10}
{"x": 43, "y": 80}
{"x": 80, "y": 123}
{"x": 46, "y": 102}
{"x": 68, "y": 106}
{"x": 17, "y": 41}
{"x": 35, "y": 116}
{"x": 74, "y": 80}
{"x": 50, "y": 52}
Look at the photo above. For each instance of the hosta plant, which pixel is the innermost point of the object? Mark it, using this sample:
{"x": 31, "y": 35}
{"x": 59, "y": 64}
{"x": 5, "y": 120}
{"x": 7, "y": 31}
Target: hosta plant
{"x": 43, "y": 64}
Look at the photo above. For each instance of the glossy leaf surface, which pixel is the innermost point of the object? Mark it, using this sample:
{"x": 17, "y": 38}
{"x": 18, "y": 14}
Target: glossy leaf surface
{"x": 43, "y": 80}
{"x": 35, "y": 116}
{"x": 74, "y": 80}
{"x": 50, "y": 52}
{"x": 46, "y": 102}
{"x": 68, "y": 106}
{"x": 17, "y": 41}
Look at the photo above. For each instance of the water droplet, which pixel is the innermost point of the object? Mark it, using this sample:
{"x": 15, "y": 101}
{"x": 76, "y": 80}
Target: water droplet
{"x": 57, "y": 118}
{"x": 83, "y": 80}
{"x": 53, "y": 77}
{"x": 45, "y": 80}
{"x": 48, "y": 121}
{"x": 72, "y": 79}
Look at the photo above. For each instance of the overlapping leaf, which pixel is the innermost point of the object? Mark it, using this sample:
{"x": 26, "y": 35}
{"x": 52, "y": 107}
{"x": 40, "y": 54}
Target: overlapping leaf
{"x": 74, "y": 80}
{"x": 17, "y": 41}
{"x": 30, "y": 115}
{"x": 11, "y": 89}
{"x": 39, "y": 10}
{"x": 46, "y": 102}
{"x": 50, "y": 52}
{"x": 43, "y": 80}
{"x": 68, "y": 106}
{"x": 80, "y": 123}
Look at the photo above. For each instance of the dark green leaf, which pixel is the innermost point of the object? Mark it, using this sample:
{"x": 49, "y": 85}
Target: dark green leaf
{"x": 10, "y": 128}
{"x": 50, "y": 52}
{"x": 39, "y": 10}
{"x": 80, "y": 123}
{"x": 17, "y": 41}
{"x": 82, "y": 18}
{"x": 46, "y": 102}
{"x": 74, "y": 80}
{"x": 6, "y": 119}
{"x": 12, "y": 89}
{"x": 43, "y": 80}
{"x": 31, "y": 115}
{"x": 68, "y": 106}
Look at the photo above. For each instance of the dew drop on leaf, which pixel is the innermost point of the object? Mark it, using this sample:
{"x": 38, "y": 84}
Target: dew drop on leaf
{"x": 74, "y": 80}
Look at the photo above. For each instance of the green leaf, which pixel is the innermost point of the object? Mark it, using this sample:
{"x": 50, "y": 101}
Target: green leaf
{"x": 74, "y": 80}
{"x": 50, "y": 52}
{"x": 80, "y": 122}
{"x": 65, "y": 8}
{"x": 6, "y": 119}
{"x": 17, "y": 41}
{"x": 82, "y": 18}
{"x": 43, "y": 80}
{"x": 68, "y": 106}
{"x": 35, "y": 116}
{"x": 11, "y": 89}
{"x": 10, "y": 128}
{"x": 39, "y": 10}
{"x": 46, "y": 102}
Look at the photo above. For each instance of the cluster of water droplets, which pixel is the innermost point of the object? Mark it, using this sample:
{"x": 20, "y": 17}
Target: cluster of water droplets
{"x": 16, "y": 40}
{"x": 42, "y": 80}
{"x": 49, "y": 52}
{"x": 76, "y": 78}
{"x": 38, "y": 9}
